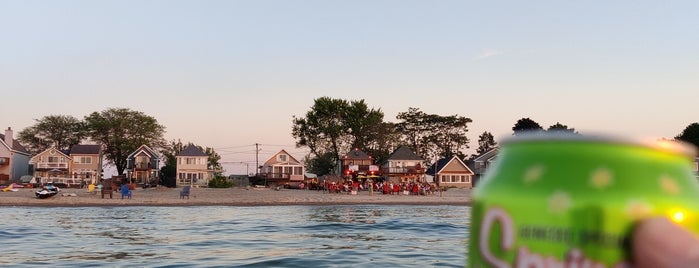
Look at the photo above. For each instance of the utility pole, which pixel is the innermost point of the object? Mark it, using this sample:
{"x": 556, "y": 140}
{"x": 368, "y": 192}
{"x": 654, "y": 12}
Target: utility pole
{"x": 257, "y": 161}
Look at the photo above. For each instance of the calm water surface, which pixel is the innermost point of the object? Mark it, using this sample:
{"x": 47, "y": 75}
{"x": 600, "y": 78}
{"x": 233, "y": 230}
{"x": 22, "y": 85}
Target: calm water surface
{"x": 272, "y": 236}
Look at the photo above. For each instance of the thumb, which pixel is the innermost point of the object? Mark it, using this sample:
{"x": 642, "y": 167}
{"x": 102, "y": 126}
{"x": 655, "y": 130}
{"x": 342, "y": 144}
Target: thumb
{"x": 657, "y": 242}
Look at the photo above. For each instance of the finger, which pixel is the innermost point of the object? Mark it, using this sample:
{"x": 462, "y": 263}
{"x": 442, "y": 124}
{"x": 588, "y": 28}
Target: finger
{"x": 657, "y": 242}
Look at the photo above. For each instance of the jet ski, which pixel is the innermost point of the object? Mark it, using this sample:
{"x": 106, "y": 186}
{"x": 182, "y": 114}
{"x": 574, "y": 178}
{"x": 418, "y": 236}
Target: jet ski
{"x": 49, "y": 190}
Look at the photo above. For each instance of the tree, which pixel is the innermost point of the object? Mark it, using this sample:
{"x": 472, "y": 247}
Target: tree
{"x": 321, "y": 165}
{"x": 431, "y": 135}
{"x": 414, "y": 130}
{"x": 168, "y": 172}
{"x": 335, "y": 126}
{"x": 486, "y": 142}
{"x": 690, "y": 134}
{"x": 220, "y": 181}
{"x": 381, "y": 146}
{"x": 121, "y": 131}
{"x": 59, "y": 131}
{"x": 526, "y": 125}
{"x": 213, "y": 161}
{"x": 558, "y": 127}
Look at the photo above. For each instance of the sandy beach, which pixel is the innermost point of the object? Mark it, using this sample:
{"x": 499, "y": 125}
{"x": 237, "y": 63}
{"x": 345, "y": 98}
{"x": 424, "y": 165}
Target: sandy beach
{"x": 163, "y": 196}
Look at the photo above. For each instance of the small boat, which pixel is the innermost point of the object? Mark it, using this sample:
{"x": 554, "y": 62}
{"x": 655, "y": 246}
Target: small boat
{"x": 48, "y": 191}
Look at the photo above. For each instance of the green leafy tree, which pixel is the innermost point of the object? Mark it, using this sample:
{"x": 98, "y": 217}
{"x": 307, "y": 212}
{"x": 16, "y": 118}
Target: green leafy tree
{"x": 219, "y": 181}
{"x": 121, "y": 131}
{"x": 320, "y": 165}
{"x": 334, "y": 126}
{"x": 168, "y": 172}
{"x": 690, "y": 134}
{"x": 526, "y": 125}
{"x": 558, "y": 127}
{"x": 486, "y": 142}
{"x": 213, "y": 161}
{"x": 414, "y": 130}
{"x": 59, "y": 131}
{"x": 431, "y": 135}
{"x": 383, "y": 144}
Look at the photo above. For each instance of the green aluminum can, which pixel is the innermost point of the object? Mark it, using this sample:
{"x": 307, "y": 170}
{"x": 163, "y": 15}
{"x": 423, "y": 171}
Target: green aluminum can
{"x": 572, "y": 201}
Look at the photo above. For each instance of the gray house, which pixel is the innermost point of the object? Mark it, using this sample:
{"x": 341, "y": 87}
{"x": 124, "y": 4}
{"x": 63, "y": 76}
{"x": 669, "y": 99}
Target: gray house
{"x": 143, "y": 166}
{"x": 482, "y": 163}
{"x": 14, "y": 158}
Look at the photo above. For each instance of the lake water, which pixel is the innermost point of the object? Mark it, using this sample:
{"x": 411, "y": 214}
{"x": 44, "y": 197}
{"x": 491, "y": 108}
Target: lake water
{"x": 218, "y": 236}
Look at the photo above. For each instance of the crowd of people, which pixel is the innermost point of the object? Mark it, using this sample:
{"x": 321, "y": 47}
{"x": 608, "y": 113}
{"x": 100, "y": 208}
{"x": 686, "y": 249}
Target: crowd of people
{"x": 384, "y": 187}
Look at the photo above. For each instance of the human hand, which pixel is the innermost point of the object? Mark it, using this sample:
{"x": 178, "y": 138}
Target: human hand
{"x": 658, "y": 242}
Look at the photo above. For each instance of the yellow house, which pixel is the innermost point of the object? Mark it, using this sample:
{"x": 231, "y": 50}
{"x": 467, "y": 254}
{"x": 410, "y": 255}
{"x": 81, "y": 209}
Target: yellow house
{"x": 282, "y": 168}
{"x": 82, "y": 163}
{"x": 51, "y": 165}
{"x": 451, "y": 172}
{"x": 192, "y": 167}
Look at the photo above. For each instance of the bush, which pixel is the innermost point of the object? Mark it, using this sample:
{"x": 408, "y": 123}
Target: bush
{"x": 220, "y": 182}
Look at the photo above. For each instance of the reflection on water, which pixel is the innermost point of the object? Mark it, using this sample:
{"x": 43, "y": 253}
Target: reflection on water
{"x": 276, "y": 236}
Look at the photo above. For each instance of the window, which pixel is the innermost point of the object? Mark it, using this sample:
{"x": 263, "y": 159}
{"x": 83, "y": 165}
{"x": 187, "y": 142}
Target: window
{"x": 83, "y": 160}
{"x": 282, "y": 157}
{"x": 298, "y": 171}
{"x": 453, "y": 178}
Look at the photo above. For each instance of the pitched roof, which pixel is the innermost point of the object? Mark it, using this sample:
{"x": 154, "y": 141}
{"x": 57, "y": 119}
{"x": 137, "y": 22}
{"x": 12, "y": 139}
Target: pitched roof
{"x": 85, "y": 149}
{"x": 192, "y": 150}
{"x": 442, "y": 163}
{"x": 51, "y": 151}
{"x": 15, "y": 145}
{"x": 144, "y": 148}
{"x": 274, "y": 160}
{"x": 356, "y": 154}
{"x": 404, "y": 153}
{"x": 487, "y": 155}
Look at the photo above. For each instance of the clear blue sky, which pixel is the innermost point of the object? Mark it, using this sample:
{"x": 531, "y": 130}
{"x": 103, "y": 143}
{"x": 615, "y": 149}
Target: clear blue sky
{"x": 229, "y": 74}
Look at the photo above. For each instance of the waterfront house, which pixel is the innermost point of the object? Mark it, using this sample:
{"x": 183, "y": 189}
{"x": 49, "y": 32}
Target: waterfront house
{"x": 403, "y": 165}
{"x": 451, "y": 172}
{"x": 51, "y": 165}
{"x": 143, "y": 166}
{"x": 192, "y": 167}
{"x": 282, "y": 168}
{"x": 14, "y": 158}
{"x": 86, "y": 163}
{"x": 356, "y": 164}
{"x": 482, "y": 163}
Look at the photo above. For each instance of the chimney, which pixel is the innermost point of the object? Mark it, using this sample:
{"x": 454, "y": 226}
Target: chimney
{"x": 8, "y": 137}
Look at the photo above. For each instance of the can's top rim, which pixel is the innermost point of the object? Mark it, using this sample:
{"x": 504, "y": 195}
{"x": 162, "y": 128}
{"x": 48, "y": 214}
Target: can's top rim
{"x": 673, "y": 146}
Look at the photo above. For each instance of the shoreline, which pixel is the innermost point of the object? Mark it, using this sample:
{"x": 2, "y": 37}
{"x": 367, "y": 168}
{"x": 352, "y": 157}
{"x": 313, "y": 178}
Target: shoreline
{"x": 247, "y": 197}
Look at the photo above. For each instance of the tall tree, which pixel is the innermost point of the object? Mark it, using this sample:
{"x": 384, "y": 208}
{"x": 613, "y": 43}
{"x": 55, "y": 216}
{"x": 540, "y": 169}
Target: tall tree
{"x": 526, "y": 125}
{"x": 363, "y": 124}
{"x": 558, "y": 127}
{"x": 335, "y": 126}
{"x": 413, "y": 129}
{"x": 59, "y": 131}
{"x": 486, "y": 142}
{"x": 323, "y": 128}
{"x": 213, "y": 161}
{"x": 121, "y": 131}
{"x": 320, "y": 165}
{"x": 690, "y": 134}
{"x": 168, "y": 172}
{"x": 431, "y": 135}
{"x": 449, "y": 135}
{"x": 386, "y": 140}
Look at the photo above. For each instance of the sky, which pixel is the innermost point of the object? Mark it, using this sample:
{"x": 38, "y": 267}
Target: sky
{"x": 232, "y": 74}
